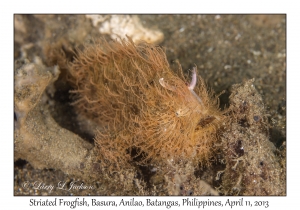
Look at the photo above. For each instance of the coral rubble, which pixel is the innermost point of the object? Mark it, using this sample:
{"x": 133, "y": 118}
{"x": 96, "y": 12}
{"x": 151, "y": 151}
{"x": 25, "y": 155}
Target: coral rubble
{"x": 120, "y": 26}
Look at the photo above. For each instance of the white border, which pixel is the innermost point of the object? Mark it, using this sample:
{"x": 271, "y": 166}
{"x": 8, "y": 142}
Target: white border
{"x": 8, "y": 8}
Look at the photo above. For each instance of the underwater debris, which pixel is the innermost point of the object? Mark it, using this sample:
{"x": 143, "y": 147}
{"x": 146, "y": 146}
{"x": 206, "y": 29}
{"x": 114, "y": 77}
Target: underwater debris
{"x": 121, "y": 26}
{"x": 37, "y": 137}
{"x": 252, "y": 168}
{"x": 179, "y": 179}
{"x": 31, "y": 79}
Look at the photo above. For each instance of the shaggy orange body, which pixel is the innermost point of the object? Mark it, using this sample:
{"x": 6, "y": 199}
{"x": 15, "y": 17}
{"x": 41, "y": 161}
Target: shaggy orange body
{"x": 140, "y": 104}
